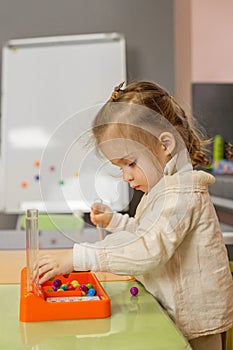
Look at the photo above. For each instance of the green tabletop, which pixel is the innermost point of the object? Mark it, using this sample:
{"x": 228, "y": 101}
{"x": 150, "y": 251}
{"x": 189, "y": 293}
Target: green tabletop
{"x": 136, "y": 323}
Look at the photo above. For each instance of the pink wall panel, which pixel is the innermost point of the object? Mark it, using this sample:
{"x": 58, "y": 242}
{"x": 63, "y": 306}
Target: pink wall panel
{"x": 212, "y": 40}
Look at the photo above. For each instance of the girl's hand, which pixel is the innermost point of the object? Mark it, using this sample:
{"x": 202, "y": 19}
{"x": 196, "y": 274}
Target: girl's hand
{"x": 52, "y": 265}
{"x": 101, "y": 213}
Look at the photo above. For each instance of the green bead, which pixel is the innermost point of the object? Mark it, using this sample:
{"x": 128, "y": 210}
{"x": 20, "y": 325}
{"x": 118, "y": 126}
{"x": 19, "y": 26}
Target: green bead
{"x": 64, "y": 286}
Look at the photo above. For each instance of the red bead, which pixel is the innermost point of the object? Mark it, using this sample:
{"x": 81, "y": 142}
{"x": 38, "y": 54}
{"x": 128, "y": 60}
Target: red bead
{"x": 78, "y": 292}
{"x": 70, "y": 287}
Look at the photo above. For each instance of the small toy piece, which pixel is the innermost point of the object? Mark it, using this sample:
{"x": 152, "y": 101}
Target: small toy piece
{"x": 134, "y": 291}
{"x": 78, "y": 292}
{"x": 57, "y": 283}
{"x": 74, "y": 283}
{"x": 84, "y": 288}
{"x": 64, "y": 286}
{"x": 70, "y": 287}
{"x": 91, "y": 292}
{"x": 89, "y": 285}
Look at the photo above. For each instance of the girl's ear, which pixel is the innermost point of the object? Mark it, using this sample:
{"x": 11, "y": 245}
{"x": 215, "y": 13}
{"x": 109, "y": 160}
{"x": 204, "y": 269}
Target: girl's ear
{"x": 168, "y": 140}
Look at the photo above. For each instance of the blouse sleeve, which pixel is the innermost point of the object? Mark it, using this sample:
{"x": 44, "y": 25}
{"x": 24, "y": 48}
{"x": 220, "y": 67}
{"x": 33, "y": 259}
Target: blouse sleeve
{"x": 162, "y": 228}
{"x": 122, "y": 222}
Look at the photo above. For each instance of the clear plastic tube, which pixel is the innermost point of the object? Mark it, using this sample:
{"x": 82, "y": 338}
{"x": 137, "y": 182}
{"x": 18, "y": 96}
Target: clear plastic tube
{"x": 32, "y": 247}
{"x": 99, "y": 226}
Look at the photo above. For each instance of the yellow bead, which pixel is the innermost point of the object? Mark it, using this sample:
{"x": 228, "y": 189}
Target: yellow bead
{"x": 75, "y": 283}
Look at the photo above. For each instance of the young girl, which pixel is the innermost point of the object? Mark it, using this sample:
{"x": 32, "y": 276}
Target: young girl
{"x": 173, "y": 245}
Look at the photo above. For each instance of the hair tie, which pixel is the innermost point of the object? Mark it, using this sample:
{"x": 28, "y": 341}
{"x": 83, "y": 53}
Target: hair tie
{"x": 116, "y": 92}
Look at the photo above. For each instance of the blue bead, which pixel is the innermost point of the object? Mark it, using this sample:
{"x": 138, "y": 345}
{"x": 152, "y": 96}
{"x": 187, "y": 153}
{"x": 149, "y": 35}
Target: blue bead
{"x": 91, "y": 292}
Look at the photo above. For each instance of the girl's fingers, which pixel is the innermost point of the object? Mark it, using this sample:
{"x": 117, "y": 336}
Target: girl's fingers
{"x": 45, "y": 266}
{"x": 46, "y": 272}
{"x": 46, "y": 277}
{"x": 98, "y": 208}
{"x": 42, "y": 260}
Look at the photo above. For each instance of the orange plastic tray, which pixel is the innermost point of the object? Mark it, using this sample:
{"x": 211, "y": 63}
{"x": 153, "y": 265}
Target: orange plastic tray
{"x": 36, "y": 308}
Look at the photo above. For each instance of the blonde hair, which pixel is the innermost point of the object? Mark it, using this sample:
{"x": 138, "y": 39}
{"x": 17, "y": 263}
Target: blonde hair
{"x": 157, "y": 99}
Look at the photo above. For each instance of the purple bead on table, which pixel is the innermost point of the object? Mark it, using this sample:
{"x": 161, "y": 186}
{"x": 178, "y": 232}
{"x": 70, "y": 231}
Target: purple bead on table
{"x": 134, "y": 291}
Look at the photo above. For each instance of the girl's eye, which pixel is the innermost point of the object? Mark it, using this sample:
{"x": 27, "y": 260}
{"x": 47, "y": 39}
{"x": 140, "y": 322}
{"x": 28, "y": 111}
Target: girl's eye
{"x": 132, "y": 164}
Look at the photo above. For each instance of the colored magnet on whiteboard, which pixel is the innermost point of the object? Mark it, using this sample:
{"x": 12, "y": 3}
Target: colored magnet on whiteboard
{"x": 37, "y": 177}
{"x": 37, "y": 163}
{"x": 24, "y": 184}
{"x": 52, "y": 168}
{"x": 61, "y": 182}
{"x": 76, "y": 173}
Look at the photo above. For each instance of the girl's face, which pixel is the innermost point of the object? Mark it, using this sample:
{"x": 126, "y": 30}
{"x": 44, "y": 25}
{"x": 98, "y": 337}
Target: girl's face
{"x": 140, "y": 168}
{"x": 139, "y": 173}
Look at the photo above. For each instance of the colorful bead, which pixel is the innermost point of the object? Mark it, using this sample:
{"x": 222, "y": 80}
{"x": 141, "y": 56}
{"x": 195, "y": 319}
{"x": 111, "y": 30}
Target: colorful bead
{"x": 84, "y": 288}
{"x": 89, "y": 285}
{"x": 75, "y": 284}
{"x": 54, "y": 288}
{"x": 78, "y": 292}
{"x": 134, "y": 291}
{"x": 70, "y": 287}
{"x": 64, "y": 286}
{"x": 91, "y": 292}
{"x": 57, "y": 283}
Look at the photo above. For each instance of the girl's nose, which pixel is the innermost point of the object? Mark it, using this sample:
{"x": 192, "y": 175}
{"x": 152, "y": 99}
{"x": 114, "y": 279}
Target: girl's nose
{"x": 127, "y": 176}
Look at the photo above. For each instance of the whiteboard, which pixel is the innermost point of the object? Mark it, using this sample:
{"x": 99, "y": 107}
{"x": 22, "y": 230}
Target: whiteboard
{"x": 52, "y": 88}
